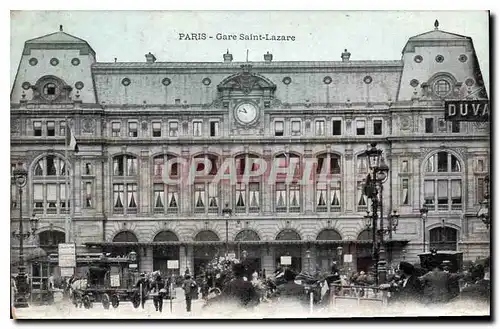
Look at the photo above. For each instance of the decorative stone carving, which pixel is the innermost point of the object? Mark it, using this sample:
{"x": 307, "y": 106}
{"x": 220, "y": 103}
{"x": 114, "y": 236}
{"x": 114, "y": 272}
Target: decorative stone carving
{"x": 88, "y": 126}
{"x": 15, "y": 126}
{"x": 481, "y": 125}
{"x": 405, "y": 122}
{"x": 144, "y": 126}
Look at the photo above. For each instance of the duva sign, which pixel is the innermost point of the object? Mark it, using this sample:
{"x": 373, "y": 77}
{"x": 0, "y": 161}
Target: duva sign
{"x": 478, "y": 110}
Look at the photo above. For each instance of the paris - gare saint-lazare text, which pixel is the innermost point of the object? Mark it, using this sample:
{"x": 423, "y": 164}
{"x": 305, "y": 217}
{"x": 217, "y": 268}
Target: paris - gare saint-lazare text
{"x": 301, "y": 171}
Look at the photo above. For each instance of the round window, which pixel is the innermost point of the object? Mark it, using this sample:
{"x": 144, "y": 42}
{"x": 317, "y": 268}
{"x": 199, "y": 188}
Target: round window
{"x": 287, "y": 80}
{"x": 414, "y": 83}
{"x": 54, "y": 62}
{"x": 442, "y": 87}
{"x": 439, "y": 58}
{"x": 327, "y": 80}
{"x": 462, "y": 58}
{"x": 79, "y": 85}
{"x": 206, "y": 81}
{"x": 50, "y": 91}
{"x": 126, "y": 81}
{"x": 75, "y": 61}
{"x": 166, "y": 81}
{"x": 469, "y": 82}
{"x": 33, "y": 61}
{"x": 368, "y": 79}
{"x": 26, "y": 85}
{"x": 418, "y": 59}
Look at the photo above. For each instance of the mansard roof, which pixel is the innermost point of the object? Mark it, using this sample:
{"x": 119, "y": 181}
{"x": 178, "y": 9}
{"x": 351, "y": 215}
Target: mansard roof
{"x": 57, "y": 40}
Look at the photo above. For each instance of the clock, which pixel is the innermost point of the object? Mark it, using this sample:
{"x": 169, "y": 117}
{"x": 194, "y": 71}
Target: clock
{"x": 246, "y": 113}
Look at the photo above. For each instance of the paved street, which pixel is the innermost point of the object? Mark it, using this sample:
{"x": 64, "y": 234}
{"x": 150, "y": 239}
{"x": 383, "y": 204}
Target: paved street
{"x": 276, "y": 310}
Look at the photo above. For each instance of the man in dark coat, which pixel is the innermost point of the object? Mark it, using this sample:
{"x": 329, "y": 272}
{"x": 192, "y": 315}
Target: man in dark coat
{"x": 190, "y": 288}
{"x": 409, "y": 288}
{"x": 160, "y": 290}
{"x": 436, "y": 284}
{"x": 144, "y": 284}
{"x": 240, "y": 290}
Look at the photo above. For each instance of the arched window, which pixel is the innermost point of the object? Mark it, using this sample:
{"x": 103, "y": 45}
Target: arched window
{"x": 365, "y": 235}
{"x": 442, "y": 87}
{"x": 125, "y": 192}
{"x": 124, "y": 250}
{"x": 206, "y": 236}
{"x": 329, "y": 234}
{"x": 288, "y": 234}
{"x": 125, "y": 236}
{"x": 165, "y": 196}
{"x": 247, "y": 235}
{"x": 288, "y": 195}
{"x": 206, "y": 193}
{"x": 443, "y": 238}
{"x": 163, "y": 253}
{"x": 328, "y": 183}
{"x": 49, "y": 240}
{"x": 443, "y": 176}
{"x": 247, "y": 189}
{"x": 49, "y": 185}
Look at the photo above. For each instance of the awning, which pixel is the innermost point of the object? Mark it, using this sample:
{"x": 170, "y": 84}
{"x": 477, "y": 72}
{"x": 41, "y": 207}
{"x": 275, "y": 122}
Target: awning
{"x": 29, "y": 255}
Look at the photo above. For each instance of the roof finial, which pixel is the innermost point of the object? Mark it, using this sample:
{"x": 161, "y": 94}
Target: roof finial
{"x": 247, "y": 55}
{"x": 60, "y": 28}
{"x": 436, "y": 24}
{"x": 227, "y": 51}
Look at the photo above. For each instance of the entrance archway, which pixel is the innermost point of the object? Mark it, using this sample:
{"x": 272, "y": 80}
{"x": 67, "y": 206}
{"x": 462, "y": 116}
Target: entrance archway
{"x": 205, "y": 253}
{"x": 327, "y": 253}
{"x": 249, "y": 254}
{"x": 164, "y": 253}
{"x": 364, "y": 251}
{"x": 289, "y": 249}
{"x": 123, "y": 251}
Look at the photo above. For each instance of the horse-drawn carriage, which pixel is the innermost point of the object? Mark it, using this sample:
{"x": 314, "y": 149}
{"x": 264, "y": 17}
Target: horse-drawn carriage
{"x": 107, "y": 281}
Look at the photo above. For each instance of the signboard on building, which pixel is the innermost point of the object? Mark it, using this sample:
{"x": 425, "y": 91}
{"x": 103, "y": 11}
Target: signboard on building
{"x": 115, "y": 280}
{"x": 67, "y": 255}
{"x": 172, "y": 264}
{"x": 286, "y": 260}
{"x": 477, "y": 110}
{"x": 67, "y": 271}
{"x": 348, "y": 258}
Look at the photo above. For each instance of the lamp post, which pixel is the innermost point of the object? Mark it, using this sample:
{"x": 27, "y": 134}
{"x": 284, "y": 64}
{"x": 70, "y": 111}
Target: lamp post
{"x": 227, "y": 212}
{"x": 373, "y": 189}
{"x": 423, "y": 215}
{"x": 340, "y": 252}
{"x": 484, "y": 210}
{"x": 21, "y": 301}
{"x": 308, "y": 257}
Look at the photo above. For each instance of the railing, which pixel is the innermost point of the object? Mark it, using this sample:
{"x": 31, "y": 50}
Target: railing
{"x": 358, "y": 295}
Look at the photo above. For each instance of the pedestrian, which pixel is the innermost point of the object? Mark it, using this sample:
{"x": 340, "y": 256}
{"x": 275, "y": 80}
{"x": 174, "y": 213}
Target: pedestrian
{"x": 159, "y": 288}
{"x": 143, "y": 284}
{"x": 436, "y": 284}
{"x": 190, "y": 288}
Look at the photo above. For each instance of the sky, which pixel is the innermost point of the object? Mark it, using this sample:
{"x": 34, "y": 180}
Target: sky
{"x": 319, "y": 35}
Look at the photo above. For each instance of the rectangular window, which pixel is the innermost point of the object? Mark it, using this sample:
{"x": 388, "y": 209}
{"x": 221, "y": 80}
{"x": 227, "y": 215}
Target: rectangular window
{"x": 158, "y": 166}
{"x": 278, "y": 128}
{"x": 37, "y": 128}
{"x": 320, "y": 127}
{"x": 132, "y": 197}
{"x": 442, "y": 194}
{"x": 321, "y": 197}
{"x": 172, "y": 198}
{"x": 336, "y": 127}
{"x": 455, "y": 126}
{"x": 377, "y": 127}
{"x": 480, "y": 190}
{"x": 335, "y": 196}
{"x": 62, "y": 128}
{"x": 404, "y": 166}
{"x": 456, "y": 193}
{"x": 241, "y": 199}
{"x": 442, "y": 162}
{"x": 197, "y": 128}
{"x": 88, "y": 195}
{"x": 214, "y": 128}
{"x": 404, "y": 192}
{"x": 132, "y": 129}
{"x": 177, "y": 101}
{"x": 38, "y": 196}
{"x": 281, "y": 200}
{"x": 429, "y": 193}
{"x": 362, "y": 164}
{"x": 254, "y": 197}
{"x": 118, "y": 197}
{"x": 88, "y": 169}
{"x": 173, "y": 129}
{"x": 51, "y": 198}
{"x": 480, "y": 165}
{"x": 131, "y": 166}
{"x": 199, "y": 197}
{"x": 213, "y": 198}
{"x": 51, "y": 128}
{"x": 158, "y": 197}
{"x": 62, "y": 197}
{"x": 362, "y": 201}
{"x": 429, "y": 125}
{"x": 442, "y": 125}
{"x": 115, "y": 129}
{"x": 360, "y": 127}
{"x": 13, "y": 196}
{"x": 118, "y": 169}
{"x": 294, "y": 197}
{"x": 156, "y": 129}
{"x": 296, "y": 128}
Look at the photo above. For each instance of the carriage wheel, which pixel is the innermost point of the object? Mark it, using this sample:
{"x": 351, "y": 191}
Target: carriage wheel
{"x": 105, "y": 301}
{"x": 136, "y": 300}
{"x": 86, "y": 302}
{"x": 115, "y": 301}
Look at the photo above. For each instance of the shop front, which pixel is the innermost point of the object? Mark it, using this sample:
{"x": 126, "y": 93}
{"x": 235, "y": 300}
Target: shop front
{"x": 288, "y": 243}
{"x": 207, "y": 246}
{"x": 248, "y": 250}
{"x": 327, "y": 242}
{"x": 165, "y": 248}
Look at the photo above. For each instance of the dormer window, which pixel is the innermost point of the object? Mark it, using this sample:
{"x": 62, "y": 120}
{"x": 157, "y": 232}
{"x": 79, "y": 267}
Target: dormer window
{"x": 49, "y": 89}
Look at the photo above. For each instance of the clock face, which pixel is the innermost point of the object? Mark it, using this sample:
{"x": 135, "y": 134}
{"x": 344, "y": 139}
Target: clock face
{"x": 246, "y": 112}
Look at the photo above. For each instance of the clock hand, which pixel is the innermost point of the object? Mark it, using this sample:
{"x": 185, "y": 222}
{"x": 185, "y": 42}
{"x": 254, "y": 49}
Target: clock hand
{"x": 243, "y": 110}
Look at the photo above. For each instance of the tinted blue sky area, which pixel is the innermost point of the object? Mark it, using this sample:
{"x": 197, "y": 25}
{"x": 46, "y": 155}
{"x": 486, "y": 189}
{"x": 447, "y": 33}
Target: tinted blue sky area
{"x": 319, "y": 35}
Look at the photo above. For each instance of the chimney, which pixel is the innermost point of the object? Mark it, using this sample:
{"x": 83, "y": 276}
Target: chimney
{"x": 150, "y": 58}
{"x": 345, "y": 56}
{"x": 268, "y": 57}
{"x": 60, "y": 28}
{"x": 228, "y": 58}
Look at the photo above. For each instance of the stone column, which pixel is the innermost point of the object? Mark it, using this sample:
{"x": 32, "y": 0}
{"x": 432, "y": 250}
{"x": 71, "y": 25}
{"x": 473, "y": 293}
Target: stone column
{"x": 145, "y": 187}
{"x": 349, "y": 185}
{"x": 185, "y": 186}
{"x": 267, "y": 188}
{"x": 146, "y": 259}
{"x": 308, "y": 188}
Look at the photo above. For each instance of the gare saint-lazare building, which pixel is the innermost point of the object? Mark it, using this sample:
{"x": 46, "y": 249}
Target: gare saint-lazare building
{"x": 134, "y": 120}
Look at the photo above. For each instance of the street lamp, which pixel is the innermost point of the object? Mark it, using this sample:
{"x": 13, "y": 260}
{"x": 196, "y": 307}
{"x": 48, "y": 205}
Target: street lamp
{"x": 21, "y": 301}
{"x": 423, "y": 215}
{"x": 484, "y": 206}
{"x": 373, "y": 189}
{"x": 227, "y": 212}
